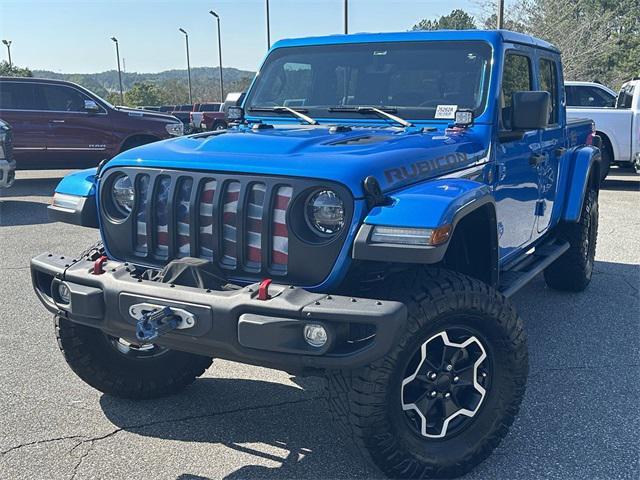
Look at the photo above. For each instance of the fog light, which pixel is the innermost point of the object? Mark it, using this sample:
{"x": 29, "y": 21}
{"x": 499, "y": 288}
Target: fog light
{"x": 64, "y": 293}
{"x": 315, "y": 335}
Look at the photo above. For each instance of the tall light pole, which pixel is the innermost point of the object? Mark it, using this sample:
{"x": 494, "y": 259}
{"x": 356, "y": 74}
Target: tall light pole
{"x": 346, "y": 17}
{"x": 219, "y": 54}
{"x": 500, "y": 22}
{"x": 115, "y": 40}
{"x": 8, "y": 44}
{"x": 186, "y": 38}
{"x": 268, "y": 27}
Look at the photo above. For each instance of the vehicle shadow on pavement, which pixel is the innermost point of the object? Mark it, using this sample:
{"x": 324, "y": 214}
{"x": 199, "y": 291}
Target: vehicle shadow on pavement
{"x": 31, "y": 187}
{"x": 286, "y": 429}
{"x": 19, "y": 212}
{"x": 624, "y": 181}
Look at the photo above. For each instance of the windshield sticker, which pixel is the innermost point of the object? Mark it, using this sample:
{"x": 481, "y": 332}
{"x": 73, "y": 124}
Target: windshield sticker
{"x": 446, "y": 111}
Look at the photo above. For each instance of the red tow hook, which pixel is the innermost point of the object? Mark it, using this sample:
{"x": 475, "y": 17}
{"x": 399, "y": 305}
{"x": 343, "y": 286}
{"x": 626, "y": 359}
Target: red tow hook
{"x": 263, "y": 289}
{"x": 97, "y": 265}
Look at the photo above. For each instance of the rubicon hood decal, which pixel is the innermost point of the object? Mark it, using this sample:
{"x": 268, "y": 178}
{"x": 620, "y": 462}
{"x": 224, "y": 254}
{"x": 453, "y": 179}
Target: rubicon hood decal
{"x": 395, "y": 156}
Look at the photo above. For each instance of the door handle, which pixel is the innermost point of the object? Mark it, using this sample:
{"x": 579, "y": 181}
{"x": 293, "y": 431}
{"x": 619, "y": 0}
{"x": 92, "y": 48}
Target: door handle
{"x": 536, "y": 159}
{"x": 560, "y": 152}
{"x": 56, "y": 121}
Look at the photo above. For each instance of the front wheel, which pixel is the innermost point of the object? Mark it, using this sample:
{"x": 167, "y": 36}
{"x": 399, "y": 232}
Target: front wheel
{"x": 445, "y": 396}
{"x": 123, "y": 369}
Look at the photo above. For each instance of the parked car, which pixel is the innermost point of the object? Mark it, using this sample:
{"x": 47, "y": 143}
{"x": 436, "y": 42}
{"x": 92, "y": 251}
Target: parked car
{"x": 7, "y": 163}
{"x": 207, "y": 116}
{"x": 619, "y": 127}
{"x": 589, "y": 95}
{"x": 183, "y": 113}
{"x": 372, "y": 235}
{"x": 57, "y": 123}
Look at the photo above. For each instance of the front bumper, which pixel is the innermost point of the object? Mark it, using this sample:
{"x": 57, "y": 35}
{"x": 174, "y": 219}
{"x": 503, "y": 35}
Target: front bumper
{"x": 234, "y": 325}
{"x": 7, "y": 173}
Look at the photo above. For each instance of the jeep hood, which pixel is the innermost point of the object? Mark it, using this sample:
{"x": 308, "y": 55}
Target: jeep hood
{"x": 396, "y": 157}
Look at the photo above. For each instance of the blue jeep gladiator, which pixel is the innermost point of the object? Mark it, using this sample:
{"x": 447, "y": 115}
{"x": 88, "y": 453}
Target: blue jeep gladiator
{"x": 379, "y": 199}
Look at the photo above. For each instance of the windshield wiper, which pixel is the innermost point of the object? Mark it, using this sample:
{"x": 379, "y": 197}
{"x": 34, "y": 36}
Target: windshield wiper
{"x": 280, "y": 109}
{"x": 378, "y": 111}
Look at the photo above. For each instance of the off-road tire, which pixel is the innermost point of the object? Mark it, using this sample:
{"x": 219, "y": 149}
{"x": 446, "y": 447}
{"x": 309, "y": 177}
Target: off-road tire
{"x": 573, "y": 270}
{"x": 606, "y": 159}
{"x": 366, "y": 402}
{"x": 89, "y": 354}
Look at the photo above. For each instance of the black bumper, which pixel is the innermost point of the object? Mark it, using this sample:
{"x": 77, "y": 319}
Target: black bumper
{"x": 234, "y": 325}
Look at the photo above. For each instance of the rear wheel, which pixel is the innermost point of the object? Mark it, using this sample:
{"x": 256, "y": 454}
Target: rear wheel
{"x": 124, "y": 369}
{"x": 573, "y": 270}
{"x": 606, "y": 159}
{"x": 445, "y": 396}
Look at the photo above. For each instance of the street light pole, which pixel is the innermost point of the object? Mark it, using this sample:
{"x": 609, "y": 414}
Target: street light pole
{"x": 268, "y": 27}
{"x": 346, "y": 17}
{"x": 115, "y": 40}
{"x": 8, "y": 44}
{"x": 186, "y": 37}
{"x": 500, "y": 22}
{"x": 219, "y": 54}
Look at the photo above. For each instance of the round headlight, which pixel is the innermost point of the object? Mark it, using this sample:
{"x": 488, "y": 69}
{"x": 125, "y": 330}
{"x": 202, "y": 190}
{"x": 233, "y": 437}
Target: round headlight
{"x": 325, "y": 212}
{"x": 123, "y": 194}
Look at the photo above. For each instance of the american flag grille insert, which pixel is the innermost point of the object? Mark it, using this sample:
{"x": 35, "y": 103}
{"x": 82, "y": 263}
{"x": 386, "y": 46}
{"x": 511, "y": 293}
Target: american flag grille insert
{"x": 239, "y": 224}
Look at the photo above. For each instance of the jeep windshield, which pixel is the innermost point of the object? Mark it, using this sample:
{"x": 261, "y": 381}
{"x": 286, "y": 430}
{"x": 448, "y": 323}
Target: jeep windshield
{"x": 416, "y": 80}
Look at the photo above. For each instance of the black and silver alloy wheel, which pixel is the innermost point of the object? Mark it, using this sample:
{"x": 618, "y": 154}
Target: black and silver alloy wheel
{"x": 124, "y": 369}
{"x": 446, "y": 383}
{"x": 135, "y": 350}
{"x": 446, "y": 393}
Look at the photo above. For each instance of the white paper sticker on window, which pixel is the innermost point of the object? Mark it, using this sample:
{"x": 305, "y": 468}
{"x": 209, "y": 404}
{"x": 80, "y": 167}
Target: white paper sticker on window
{"x": 446, "y": 111}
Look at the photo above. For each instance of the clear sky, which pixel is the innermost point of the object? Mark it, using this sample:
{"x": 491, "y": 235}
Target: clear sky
{"x": 73, "y": 36}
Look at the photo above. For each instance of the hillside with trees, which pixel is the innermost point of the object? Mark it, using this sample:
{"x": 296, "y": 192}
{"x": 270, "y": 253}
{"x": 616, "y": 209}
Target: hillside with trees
{"x": 169, "y": 87}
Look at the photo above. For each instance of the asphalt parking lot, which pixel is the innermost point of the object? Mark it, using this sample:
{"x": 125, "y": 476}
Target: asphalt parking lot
{"x": 579, "y": 419}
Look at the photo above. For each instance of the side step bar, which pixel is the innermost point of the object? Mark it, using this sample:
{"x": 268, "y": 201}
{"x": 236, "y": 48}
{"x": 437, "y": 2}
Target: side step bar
{"x": 518, "y": 274}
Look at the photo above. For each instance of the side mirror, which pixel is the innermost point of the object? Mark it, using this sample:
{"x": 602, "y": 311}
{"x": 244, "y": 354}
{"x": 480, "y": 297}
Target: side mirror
{"x": 235, "y": 114}
{"x": 91, "y": 106}
{"x": 530, "y": 110}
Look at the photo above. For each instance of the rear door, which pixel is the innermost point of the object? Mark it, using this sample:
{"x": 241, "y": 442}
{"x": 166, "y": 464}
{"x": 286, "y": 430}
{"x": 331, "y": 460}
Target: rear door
{"x": 76, "y": 136}
{"x": 551, "y": 139}
{"x": 516, "y": 190}
{"x": 20, "y": 108}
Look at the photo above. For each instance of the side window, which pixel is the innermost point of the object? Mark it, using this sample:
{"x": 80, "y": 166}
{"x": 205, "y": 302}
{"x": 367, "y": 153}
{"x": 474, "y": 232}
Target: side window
{"x": 548, "y": 78}
{"x": 516, "y": 77}
{"x": 586, "y": 96}
{"x": 18, "y": 96}
{"x": 59, "y": 98}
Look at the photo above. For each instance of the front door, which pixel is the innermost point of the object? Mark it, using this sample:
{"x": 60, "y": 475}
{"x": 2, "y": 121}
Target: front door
{"x": 551, "y": 143}
{"x": 516, "y": 182}
{"x": 76, "y": 136}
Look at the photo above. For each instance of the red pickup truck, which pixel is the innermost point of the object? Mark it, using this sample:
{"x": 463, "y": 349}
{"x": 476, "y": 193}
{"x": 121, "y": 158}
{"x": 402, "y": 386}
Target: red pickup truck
{"x": 60, "y": 124}
{"x": 208, "y": 116}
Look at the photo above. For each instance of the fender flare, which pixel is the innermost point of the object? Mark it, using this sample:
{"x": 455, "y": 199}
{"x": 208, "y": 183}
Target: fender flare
{"x": 449, "y": 201}
{"x": 81, "y": 210}
{"x": 584, "y": 161}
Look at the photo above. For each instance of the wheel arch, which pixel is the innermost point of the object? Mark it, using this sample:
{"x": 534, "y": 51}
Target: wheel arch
{"x": 137, "y": 139}
{"x": 471, "y": 216}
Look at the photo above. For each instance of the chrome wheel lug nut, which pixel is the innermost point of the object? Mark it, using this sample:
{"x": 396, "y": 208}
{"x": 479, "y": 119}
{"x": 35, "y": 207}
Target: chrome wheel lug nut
{"x": 449, "y": 368}
{"x": 447, "y": 395}
{"x": 432, "y": 375}
{"x": 456, "y": 379}
{"x": 433, "y": 393}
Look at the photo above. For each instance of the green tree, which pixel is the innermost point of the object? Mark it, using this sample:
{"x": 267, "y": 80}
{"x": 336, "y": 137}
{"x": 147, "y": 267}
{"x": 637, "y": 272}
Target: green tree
{"x": 456, "y": 20}
{"x": 13, "y": 71}
{"x": 144, "y": 93}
